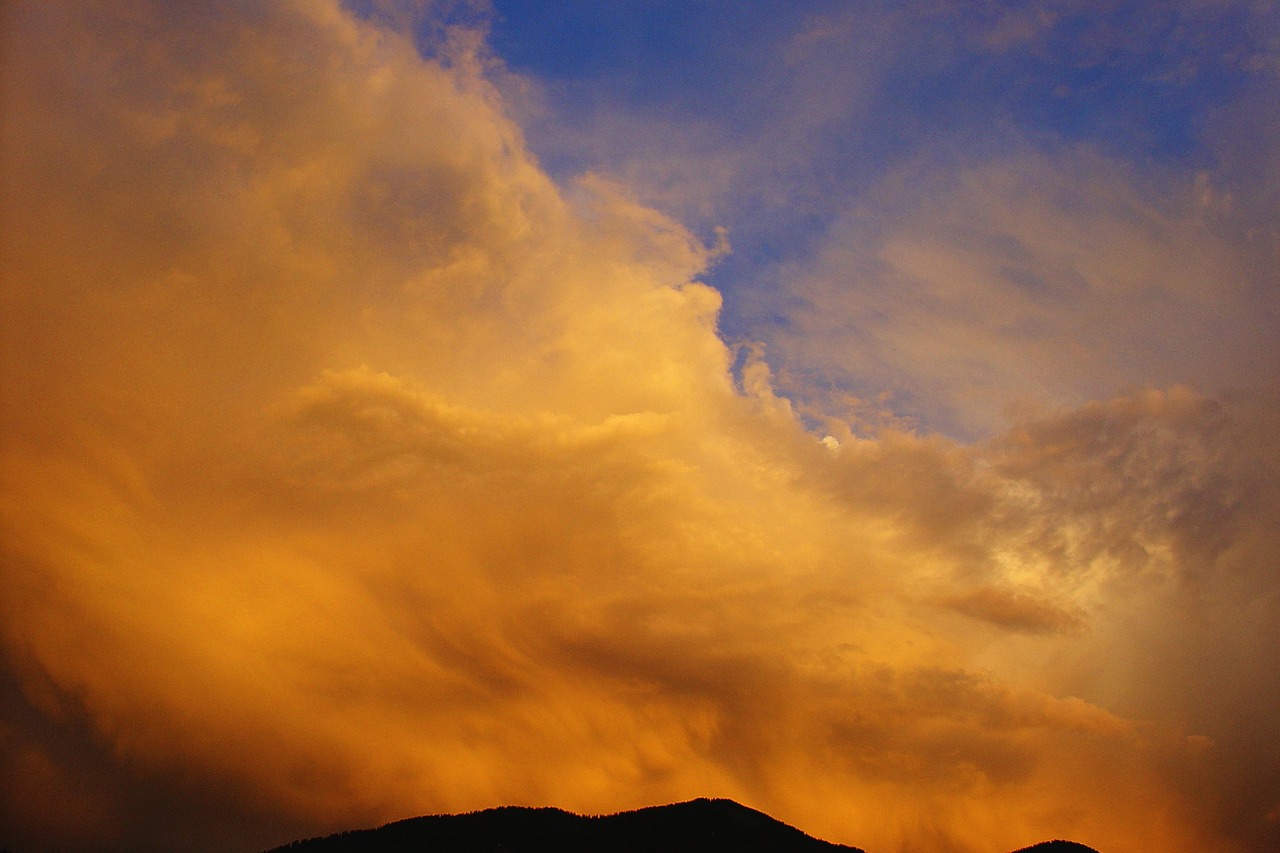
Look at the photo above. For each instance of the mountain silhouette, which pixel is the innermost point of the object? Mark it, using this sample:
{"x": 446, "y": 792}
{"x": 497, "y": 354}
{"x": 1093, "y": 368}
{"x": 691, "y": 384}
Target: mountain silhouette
{"x": 698, "y": 826}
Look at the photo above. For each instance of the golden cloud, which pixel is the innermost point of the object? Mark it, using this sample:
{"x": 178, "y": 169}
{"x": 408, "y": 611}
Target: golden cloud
{"x": 352, "y": 470}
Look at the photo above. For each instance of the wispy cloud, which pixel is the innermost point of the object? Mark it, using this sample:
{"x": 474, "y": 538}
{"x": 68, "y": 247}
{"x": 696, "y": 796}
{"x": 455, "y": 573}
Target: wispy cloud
{"x": 1031, "y": 278}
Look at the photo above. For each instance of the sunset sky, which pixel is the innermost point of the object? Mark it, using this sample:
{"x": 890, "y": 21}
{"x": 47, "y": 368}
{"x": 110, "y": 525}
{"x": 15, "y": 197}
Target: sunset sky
{"x": 865, "y": 411}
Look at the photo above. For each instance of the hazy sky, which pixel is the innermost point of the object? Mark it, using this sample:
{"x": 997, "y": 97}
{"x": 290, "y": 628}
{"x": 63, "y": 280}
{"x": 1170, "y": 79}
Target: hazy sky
{"x": 869, "y": 412}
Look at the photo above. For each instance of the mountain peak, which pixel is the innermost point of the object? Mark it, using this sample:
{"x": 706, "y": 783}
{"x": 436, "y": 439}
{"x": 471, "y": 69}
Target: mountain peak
{"x": 703, "y": 825}
{"x": 695, "y": 826}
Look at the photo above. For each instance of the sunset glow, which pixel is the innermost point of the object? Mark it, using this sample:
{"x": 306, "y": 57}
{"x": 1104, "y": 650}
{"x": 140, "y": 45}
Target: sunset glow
{"x": 867, "y": 412}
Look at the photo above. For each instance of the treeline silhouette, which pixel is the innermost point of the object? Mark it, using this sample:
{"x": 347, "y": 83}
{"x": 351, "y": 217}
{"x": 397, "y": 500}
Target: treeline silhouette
{"x": 698, "y": 826}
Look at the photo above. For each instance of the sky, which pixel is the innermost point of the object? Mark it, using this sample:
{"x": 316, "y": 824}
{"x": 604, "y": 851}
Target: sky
{"x": 868, "y": 412}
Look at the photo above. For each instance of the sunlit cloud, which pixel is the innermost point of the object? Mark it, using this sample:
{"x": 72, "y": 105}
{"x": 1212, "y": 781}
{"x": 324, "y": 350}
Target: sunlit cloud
{"x": 355, "y": 468}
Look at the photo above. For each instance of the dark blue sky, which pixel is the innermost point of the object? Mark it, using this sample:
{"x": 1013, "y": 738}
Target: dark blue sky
{"x": 1135, "y": 77}
{"x": 900, "y": 81}
{"x": 809, "y": 128}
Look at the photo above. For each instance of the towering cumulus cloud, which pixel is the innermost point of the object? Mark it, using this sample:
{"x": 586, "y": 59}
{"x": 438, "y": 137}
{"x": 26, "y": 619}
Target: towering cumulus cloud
{"x": 353, "y": 469}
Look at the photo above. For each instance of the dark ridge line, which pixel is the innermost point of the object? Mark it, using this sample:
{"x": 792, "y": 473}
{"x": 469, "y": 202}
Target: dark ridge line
{"x": 691, "y": 825}
{"x": 714, "y": 825}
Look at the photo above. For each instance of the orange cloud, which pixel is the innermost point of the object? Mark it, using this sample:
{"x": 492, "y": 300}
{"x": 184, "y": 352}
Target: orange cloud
{"x": 352, "y": 470}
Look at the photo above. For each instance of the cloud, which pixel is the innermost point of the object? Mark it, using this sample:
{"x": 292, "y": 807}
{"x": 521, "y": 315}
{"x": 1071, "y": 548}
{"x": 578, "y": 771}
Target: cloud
{"x": 354, "y": 469}
{"x": 1014, "y": 610}
{"x": 1024, "y": 280}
